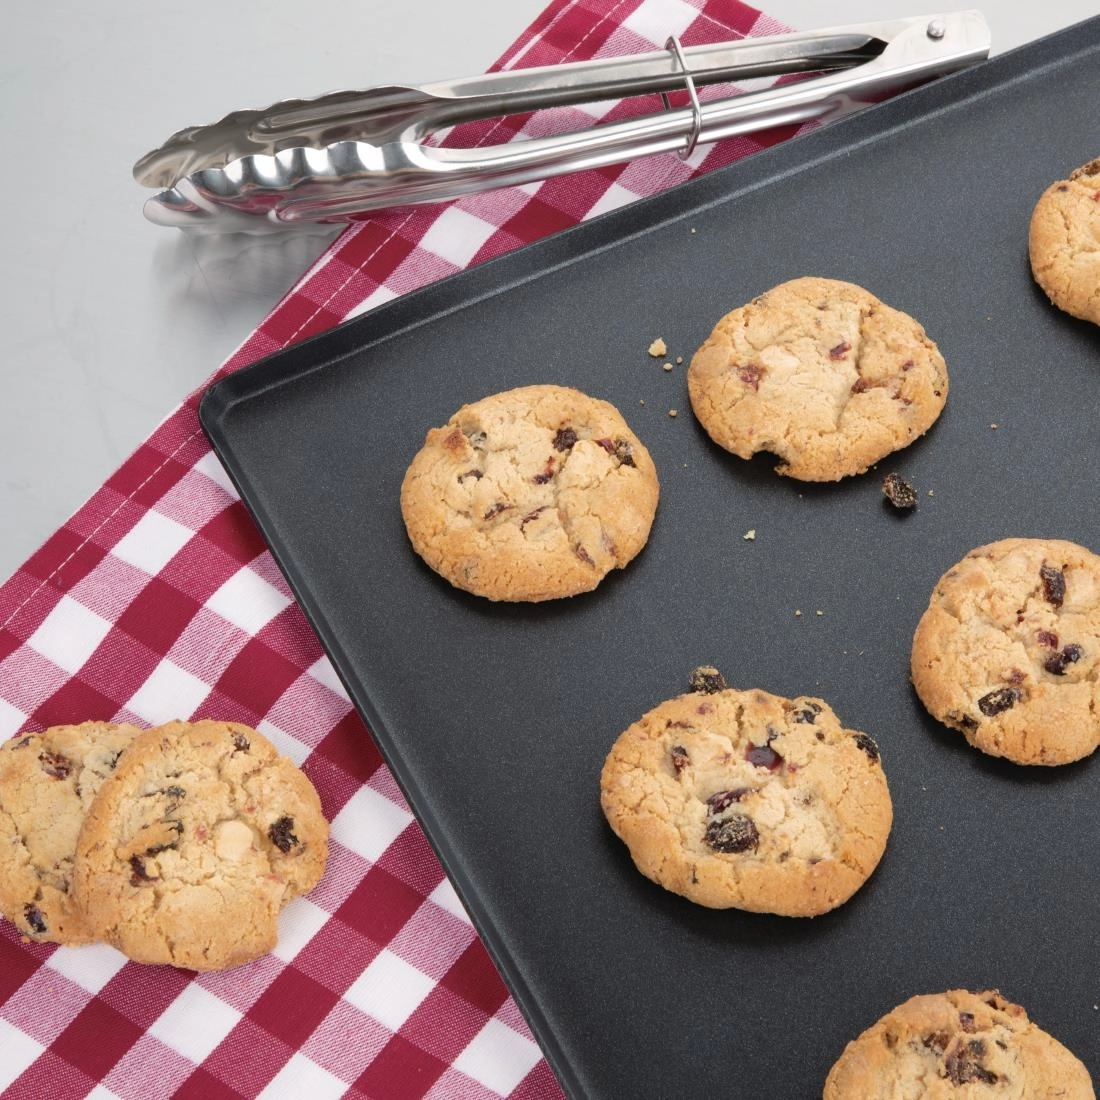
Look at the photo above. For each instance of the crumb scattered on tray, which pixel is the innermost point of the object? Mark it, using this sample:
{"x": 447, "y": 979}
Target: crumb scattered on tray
{"x": 658, "y": 348}
{"x": 899, "y": 492}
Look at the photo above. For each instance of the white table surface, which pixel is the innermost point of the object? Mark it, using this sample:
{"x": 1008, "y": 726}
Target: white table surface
{"x": 109, "y": 321}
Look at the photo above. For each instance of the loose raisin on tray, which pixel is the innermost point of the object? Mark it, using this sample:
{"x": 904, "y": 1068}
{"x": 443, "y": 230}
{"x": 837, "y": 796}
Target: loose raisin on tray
{"x": 736, "y": 833}
{"x": 281, "y": 833}
{"x": 707, "y": 679}
{"x": 1054, "y": 584}
{"x": 998, "y": 700}
{"x": 899, "y": 492}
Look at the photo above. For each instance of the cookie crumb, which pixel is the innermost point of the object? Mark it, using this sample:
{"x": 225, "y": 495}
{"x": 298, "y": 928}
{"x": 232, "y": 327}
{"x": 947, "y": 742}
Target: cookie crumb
{"x": 668, "y": 366}
{"x": 658, "y": 348}
{"x": 798, "y": 613}
{"x": 750, "y": 534}
{"x": 673, "y": 413}
{"x": 679, "y": 359}
{"x": 899, "y": 492}
{"x": 994, "y": 426}
{"x": 707, "y": 679}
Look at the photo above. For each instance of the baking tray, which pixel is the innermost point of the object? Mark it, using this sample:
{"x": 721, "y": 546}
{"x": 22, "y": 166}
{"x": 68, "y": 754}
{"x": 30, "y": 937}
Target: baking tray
{"x": 495, "y": 719}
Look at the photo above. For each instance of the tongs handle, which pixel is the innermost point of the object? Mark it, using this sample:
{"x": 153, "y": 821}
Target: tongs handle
{"x": 351, "y": 153}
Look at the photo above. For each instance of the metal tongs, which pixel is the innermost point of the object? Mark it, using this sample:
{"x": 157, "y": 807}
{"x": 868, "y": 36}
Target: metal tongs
{"x": 347, "y": 153}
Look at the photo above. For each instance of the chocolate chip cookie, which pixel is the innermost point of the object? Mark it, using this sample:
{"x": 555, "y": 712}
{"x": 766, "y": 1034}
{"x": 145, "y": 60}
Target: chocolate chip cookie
{"x": 1064, "y": 242}
{"x": 743, "y": 799}
{"x": 956, "y": 1045}
{"x": 531, "y": 494}
{"x": 1008, "y": 650}
{"x": 47, "y": 782}
{"x": 819, "y": 373}
{"x": 193, "y": 846}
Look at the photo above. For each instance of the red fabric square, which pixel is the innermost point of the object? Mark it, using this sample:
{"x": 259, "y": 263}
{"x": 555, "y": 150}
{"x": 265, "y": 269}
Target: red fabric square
{"x": 96, "y": 1039}
{"x": 401, "y": 1071}
{"x": 158, "y": 616}
{"x": 17, "y": 961}
{"x": 256, "y": 677}
{"x": 380, "y": 905}
{"x": 75, "y": 701}
{"x": 292, "y": 1007}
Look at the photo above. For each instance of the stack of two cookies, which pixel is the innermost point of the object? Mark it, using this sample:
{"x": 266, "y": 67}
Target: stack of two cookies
{"x": 178, "y": 844}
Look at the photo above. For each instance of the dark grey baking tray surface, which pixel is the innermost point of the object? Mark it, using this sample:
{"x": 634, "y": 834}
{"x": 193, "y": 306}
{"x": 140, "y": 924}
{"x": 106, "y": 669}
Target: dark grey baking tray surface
{"x": 496, "y": 719}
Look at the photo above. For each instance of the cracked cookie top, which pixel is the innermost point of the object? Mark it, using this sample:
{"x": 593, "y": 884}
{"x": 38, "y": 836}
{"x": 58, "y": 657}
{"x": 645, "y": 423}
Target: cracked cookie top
{"x": 819, "y": 373}
{"x": 1008, "y": 650}
{"x": 47, "y": 782}
{"x": 531, "y": 494}
{"x": 954, "y": 1046}
{"x": 1064, "y": 242}
{"x": 194, "y": 845}
{"x": 744, "y": 799}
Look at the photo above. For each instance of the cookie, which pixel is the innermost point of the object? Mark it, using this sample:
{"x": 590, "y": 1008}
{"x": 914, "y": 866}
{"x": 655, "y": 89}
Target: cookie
{"x": 954, "y": 1046}
{"x": 819, "y": 373}
{"x": 47, "y": 782}
{"x": 743, "y": 799}
{"x": 1064, "y": 242}
{"x": 531, "y": 494}
{"x": 1008, "y": 650}
{"x": 194, "y": 845}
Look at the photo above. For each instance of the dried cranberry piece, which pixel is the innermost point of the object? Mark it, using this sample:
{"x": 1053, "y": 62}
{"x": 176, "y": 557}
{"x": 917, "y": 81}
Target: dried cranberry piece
{"x": 680, "y": 758}
{"x": 531, "y": 516}
{"x": 55, "y": 765}
{"x": 724, "y": 799}
{"x": 565, "y": 439}
{"x": 998, "y": 700}
{"x": 840, "y": 350}
{"x": 899, "y": 492}
{"x": 736, "y": 833}
{"x": 36, "y": 922}
{"x": 138, "y": 874}
{"x": 624, "y": 452}
{"x": 494, "y": 510}
{"x": 1066, "y": 656}
{"x": 867, "y": 744}
{"x": 1054, "y": 584}
{"x": 1047, "y": 638}
{"x": 281, "y": 833}
{"x": 750, "y": 374}
{"x": 963, "y": 1066}
{"x": 764, "y": 756}
{"x": 707, "y": 679}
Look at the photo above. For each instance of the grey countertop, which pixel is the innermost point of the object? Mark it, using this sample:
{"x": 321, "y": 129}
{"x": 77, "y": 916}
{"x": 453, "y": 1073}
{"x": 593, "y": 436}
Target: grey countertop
{"x": 111, "y": 321}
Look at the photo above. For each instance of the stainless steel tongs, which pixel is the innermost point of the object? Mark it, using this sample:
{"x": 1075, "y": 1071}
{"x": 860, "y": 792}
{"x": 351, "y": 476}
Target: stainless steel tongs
{"x": 347, "y": 153}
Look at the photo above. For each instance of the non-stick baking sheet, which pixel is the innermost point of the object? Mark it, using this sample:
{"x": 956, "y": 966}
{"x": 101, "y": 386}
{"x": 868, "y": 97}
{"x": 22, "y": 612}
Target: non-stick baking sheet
{"x": 495, "y": 719}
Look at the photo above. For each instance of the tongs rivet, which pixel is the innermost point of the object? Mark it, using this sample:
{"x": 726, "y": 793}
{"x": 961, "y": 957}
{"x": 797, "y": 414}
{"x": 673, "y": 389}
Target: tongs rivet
{"x": 937, "y": 28}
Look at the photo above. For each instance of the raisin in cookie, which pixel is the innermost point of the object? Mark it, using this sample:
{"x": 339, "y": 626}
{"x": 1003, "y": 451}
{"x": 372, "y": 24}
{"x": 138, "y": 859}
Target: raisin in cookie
{"x": 47, "y": 782}
{"x": 1008, "y": 650}
{"x": 820, "y": 373}
{"x": 743, "y": 799}
{"x": 954, "y": 1046}
{"x": 531, "y": 494}
{"x": 1064, "y": 242}
{"x": 194, "y": 845}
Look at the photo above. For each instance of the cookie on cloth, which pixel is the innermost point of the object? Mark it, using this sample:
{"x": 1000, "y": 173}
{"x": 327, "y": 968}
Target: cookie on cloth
{"x": 47, "y": 782}
{"x": 1008, "y": 650}
{"x": 747, "y": 800}
{"x": 1064, "y": 242}
{"x": 958, "y": 1045}
{"x": 530, "y": 494}
{"x": 819, "y": 373}
{"x": 193, "y": 846}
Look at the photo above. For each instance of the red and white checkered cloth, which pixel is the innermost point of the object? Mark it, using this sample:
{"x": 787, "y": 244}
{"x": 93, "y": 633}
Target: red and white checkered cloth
{"x": 158, "y": 600}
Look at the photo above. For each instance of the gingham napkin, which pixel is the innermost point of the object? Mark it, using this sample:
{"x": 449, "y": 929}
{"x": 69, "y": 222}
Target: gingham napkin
{"x": 158, "y": 600}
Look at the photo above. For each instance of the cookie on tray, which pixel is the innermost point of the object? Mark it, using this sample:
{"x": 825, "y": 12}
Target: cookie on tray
{"x": 531, "y": 494}
{"x": 821, "y": 374}
{"x": 47, "y": 782}
{"x": 1008, "y": 650}
{"x": 747, "y": 800}
{"x": 955, "y": 1045}
{"x": 1062, "y": 242}
{"x": 193, "y": 846}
